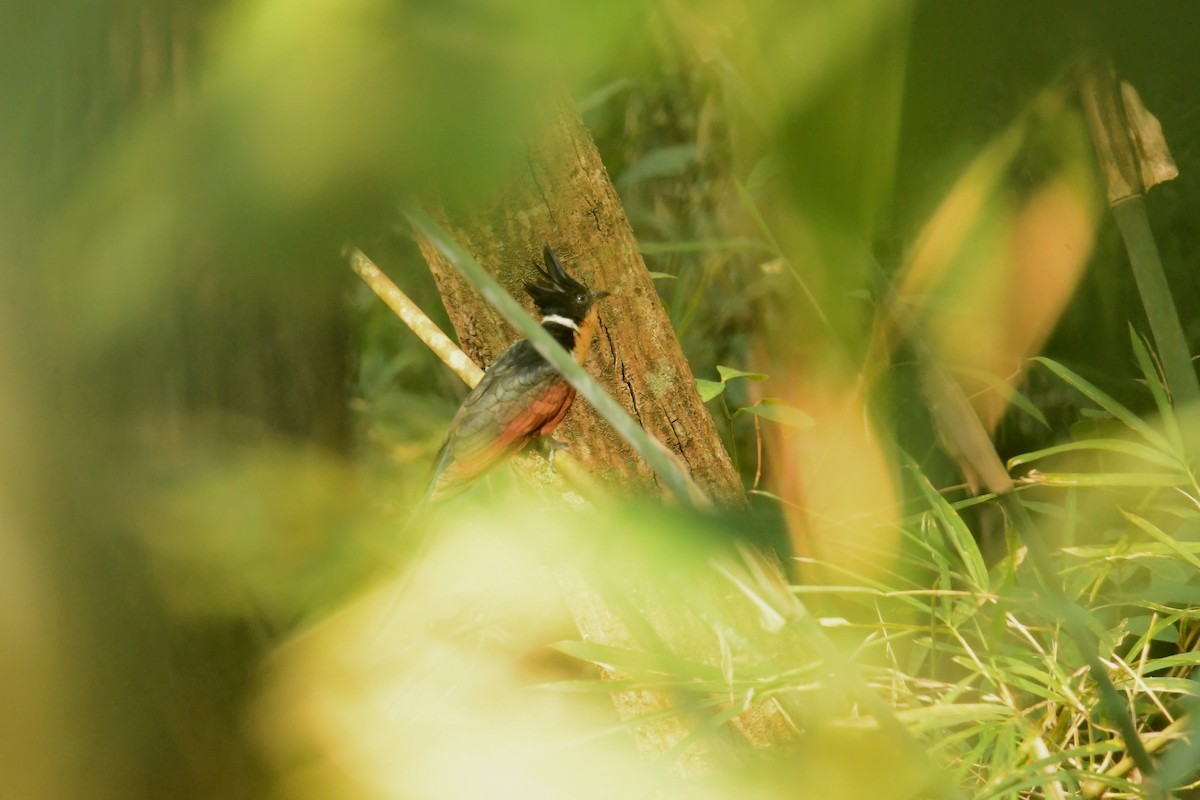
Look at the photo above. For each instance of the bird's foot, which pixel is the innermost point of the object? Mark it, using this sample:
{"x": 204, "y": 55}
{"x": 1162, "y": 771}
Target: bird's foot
{"x": 549, "y": 446}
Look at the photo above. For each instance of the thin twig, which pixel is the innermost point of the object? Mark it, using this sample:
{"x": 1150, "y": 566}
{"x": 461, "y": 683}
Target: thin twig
{"x": 412, "y": 316}
{"x": 758, "y": 450}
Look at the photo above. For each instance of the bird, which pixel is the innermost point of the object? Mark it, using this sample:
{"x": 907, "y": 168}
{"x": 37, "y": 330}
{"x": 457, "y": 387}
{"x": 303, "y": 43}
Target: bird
{"x": 521, "y": 396}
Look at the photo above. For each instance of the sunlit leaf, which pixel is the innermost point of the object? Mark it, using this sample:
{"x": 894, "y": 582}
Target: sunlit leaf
{"x": 665, "y": 161}
{"x": 1118, "y": 446}
{"x": 729, "y": 373}
{"x": 956, "y": 531}
{"x": 709, "y": 389}
{"x": 1161, "y": 537}
{"x": 779, "y": 411}
{"x": 1100, "y": 479}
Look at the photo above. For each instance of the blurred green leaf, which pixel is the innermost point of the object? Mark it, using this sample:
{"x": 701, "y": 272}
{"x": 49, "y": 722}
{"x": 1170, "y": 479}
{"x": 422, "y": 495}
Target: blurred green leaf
{"x": 603, "y": 94}
{"x": 707, "y": 246}
{"x": 1107, "y": 403}
{"x": 1158, "y": 389}
{"x": 1004, "y": 389}
{"x": 778, "y": 411}
{"x": 1101, "y": 479}
{"x": 660, "y": 663}
{"x": 729, "y": 373}
{"x": 1156, "y": 533}
{"x": 658, "y": 163}
{"x": 956, "y": 532}
{"x": 1117, "y": 446}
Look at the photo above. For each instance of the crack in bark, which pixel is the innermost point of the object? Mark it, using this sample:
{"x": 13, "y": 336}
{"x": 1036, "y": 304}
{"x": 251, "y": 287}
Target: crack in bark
{"x": 632, "y": 396}
{"x": 681, "y": 447}
{"x": 612, "y": 348}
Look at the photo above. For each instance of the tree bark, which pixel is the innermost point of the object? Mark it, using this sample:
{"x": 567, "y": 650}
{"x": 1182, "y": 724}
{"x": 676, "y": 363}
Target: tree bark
{"x": 562, "y": 196}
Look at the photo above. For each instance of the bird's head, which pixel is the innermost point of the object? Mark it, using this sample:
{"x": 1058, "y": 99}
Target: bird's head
{"x": 557, "y": 294}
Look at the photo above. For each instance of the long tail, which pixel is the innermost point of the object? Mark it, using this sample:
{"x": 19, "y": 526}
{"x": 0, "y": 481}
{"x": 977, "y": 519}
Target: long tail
{"x": 433, "y": 494}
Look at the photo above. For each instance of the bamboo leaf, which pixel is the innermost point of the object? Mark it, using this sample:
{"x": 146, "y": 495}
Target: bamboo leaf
{"x": 1171, "y": 343}
{"x": 660, "y": 163}
{"x": 1005, "y": 390}
{"x": 1156, "y": 533}
{"x": 1106, "y": 402}
{"x": 1119, "y": 446}
{"x": 1100, "y": 479}
{"x": 1158, "y": 390}
{"x": 955, "y": 529}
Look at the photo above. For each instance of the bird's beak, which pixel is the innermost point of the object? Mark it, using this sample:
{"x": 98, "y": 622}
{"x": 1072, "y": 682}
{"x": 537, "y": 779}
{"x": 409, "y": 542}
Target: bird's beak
{"x": 599, "y": 293}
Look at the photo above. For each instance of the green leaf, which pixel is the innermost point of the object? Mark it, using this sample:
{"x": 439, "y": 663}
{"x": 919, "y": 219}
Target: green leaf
{"x": 772, "y": 496}
{"x": 659, "y": 163}
{"x": 778, "y": 411}
{"x": 729, "y": 373}
{"x": 1002, "y": 387}
{"x": 955, "y": 529}
{"x": 603, "y": 95}
{"x": 709, "y": 389}
{"x": 752, "y": 209}
{"x": 1164, "y": 630}
{"x": 1119, "y": 446}
{"x": 767, "y": 169}
{"x": 1106, "y": 402}
{"x": 1158, "y": 389}
{"x": 1160, "y": 536}
{"x": 1191, "y": 659}
{"x": 756, "y": 215}
{"x": 1107, "y": 479}
{"x": 949, "y": 714}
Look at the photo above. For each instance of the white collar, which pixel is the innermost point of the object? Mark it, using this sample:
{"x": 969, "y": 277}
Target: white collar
{"x": 558, "y": 320}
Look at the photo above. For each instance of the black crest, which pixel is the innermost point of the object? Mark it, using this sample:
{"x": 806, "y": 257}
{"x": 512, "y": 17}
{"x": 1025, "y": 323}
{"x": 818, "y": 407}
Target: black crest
{"x": 557, "y": 292}
{"x": 554, "y": 279}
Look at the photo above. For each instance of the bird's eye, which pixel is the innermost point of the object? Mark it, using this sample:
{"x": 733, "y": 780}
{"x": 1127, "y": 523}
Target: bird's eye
{"x": 581, "y": 298}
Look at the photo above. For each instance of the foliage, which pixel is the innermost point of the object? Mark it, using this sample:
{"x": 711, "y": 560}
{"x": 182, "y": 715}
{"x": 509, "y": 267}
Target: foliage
{"x": 208, "y": 552}
{"x": 976, "y": 662}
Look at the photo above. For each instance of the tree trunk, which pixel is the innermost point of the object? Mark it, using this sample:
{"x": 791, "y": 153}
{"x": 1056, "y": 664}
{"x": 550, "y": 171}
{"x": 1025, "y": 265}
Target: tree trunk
{"x": 561, "y": 196}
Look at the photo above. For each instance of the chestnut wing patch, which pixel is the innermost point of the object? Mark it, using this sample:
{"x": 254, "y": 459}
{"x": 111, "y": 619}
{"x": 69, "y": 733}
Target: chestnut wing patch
{"x": 519, "y": 398}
